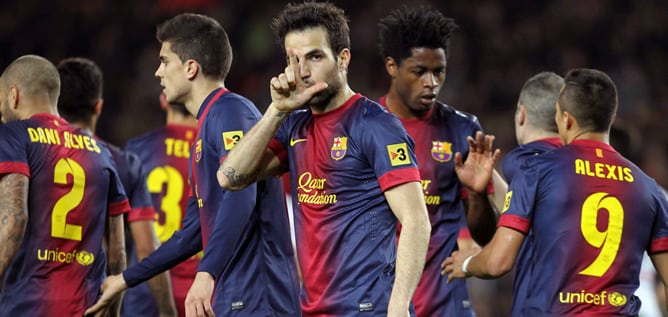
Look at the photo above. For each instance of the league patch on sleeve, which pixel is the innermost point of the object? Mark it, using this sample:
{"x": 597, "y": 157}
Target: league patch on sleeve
{"x": 231, "y": 138}
{"x": 506, "y": 202}
{"x": 398, "y": 154}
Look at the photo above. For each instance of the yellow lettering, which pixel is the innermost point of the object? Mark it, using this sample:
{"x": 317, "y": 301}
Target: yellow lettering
{"x": 96, "y": 148}
{"x": 42, "y": 135}
{"x": 432, "y": 200}
{"x": 52, "y": 136}
{"x": 627, "y": 175}
{"x": 425, "y": 184}
{"x": 579, "y": 167}
{"x": 33, "y": 135}
{"x": 169, "y": 146}
{"x": 180, "y": 149}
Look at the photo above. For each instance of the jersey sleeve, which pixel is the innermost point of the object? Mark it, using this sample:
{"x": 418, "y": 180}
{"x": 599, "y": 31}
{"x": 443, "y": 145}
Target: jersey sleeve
{"x": 518, "y": 209}
{"x": 659, "y": 241}
{"x": 279, "y": 143}
{"x": 13, "y": 158}
{"x": 137, "y": 191}
{"x": 118, "y": 201}
{"x": 180, "y": 246}
{"x": 389, "y": 149}
{"x": 234, "y": 213}
{"x": 235, "y": 127}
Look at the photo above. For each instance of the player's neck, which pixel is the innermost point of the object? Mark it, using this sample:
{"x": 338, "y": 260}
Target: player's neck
{"x": 337, "y": 101}
{"x": 86, "y": 126}
{"x": 398, "y": 107}
{"x": 536, "y": 135}
{"x": 587, "y": 135}
{"x": 198, "y": 94}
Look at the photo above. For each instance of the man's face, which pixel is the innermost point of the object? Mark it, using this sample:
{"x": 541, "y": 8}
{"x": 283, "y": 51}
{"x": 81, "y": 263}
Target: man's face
{"x": 173, "y": 76}
{"x": 317, "y": 63}
{"x": 419, "y": 78}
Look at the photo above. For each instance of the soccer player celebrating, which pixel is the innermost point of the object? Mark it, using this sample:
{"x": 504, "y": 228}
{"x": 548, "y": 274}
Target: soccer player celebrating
{"x": 165, "y": 154}
{"x": 592, "y": 211}
{"x": 80, "y": 103}
{"x": 352, "y": 169}
{"x": 248, "y": 257}
{"x": 413, "y": 43}
{"x": 60, "y": 194}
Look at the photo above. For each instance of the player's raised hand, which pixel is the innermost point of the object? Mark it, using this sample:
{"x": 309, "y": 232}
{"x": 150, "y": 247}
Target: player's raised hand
{"x": 112, "y": 289}
{"x": 289, "y": 92}
{"x": 476, "y": 172}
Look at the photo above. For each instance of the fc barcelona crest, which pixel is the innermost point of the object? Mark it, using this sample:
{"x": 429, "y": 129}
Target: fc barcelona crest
{"x": 339, "y": 147}
{"x": 198, "y": 150}
{"x": 441, "y": 151}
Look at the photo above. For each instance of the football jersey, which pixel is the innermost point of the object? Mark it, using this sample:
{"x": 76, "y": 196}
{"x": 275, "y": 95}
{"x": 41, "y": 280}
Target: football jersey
{"x": 340, "y": 164}
{"x": 511, "y": 165}
{"x": 245, "y": 234}
{"x": 594, "y": 213}
{"x": 441, "y": 133}
{"x": 74, "y": 189}
{"x": 165, "y": 153}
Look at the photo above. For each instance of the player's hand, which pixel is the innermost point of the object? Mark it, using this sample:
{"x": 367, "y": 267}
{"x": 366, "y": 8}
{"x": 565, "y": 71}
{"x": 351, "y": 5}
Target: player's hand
{"x": 476, "y": 172}
{"x": 198, "y": 300}
{"x": 112, "y": 289}
{"x": 289, "y": 92}
{"x": 452, "y": 266}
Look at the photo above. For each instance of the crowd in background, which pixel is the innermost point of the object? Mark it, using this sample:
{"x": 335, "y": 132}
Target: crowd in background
{"x": 499, "y": 44}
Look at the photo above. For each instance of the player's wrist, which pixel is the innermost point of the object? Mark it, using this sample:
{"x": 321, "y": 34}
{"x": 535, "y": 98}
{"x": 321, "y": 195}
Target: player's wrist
{"x": 465, "y": 266}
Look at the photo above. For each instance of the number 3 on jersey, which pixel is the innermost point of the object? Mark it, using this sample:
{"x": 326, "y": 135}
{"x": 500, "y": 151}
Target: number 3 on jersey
{"x": 170, "y": 206}
{"x": 59, "y": 226}
{"x": 608, "y": 240}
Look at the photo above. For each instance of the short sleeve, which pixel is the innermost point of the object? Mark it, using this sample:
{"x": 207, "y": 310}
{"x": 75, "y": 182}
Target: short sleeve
{"x": 518, "y": 208}
{"x": 659, "y": 241}
{"x": 390, "y": 150}
{"x": 118, "y": 201}
{"x": 138, "y": 195}
{"x": 13, "y": 156}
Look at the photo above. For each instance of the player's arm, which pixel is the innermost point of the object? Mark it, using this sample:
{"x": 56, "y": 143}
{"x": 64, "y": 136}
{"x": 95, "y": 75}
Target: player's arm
{"x": 116, "y": 258}
{"x": 498, "y": 197}
{"x": 251, "y": 160}
{"x": 407, "y": 203}
{"x": 476, "y": 173}
{"x": 660, "y": 261}
{"x": 232, "y": 218}
{"x": 180, "y": 246}
{"x": 14, "y": 215}
{"x": 146, "y": 242}
{"x": 494, "y": 260}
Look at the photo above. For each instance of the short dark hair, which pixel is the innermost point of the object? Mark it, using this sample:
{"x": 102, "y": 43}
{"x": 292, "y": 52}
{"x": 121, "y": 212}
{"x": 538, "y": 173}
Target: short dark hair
{"x": 298, "y": 17}
{"x": 81, "y": 88}
{"x": 539, "y": 95}
{"x": 591, "y": 97}
{"x": 407, "y": 28}
{"x": 200, "y": 38}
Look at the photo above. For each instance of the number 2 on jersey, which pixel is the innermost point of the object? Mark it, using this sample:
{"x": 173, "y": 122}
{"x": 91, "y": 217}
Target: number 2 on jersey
{"x": 608, "y": 240}
{"x": 59, "y": 226}
{"x": 170, "y": 206}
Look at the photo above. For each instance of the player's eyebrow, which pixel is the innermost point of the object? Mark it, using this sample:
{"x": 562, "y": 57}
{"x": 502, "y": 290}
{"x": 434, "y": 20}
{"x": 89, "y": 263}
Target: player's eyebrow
{"x": 315, "y": 51}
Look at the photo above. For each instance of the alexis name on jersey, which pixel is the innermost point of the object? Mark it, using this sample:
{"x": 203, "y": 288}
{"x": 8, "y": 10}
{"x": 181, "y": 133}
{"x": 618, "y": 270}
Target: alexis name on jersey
{"x": 68, "y": 139}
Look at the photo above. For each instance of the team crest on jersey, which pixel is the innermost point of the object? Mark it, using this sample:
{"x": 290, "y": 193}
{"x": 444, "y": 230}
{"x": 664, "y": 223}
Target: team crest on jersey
{"x": 231, "y": 138}
{"x": 339, "y": 147}
{"x": 441, "y": 151}
{"x": 198, "y": 150}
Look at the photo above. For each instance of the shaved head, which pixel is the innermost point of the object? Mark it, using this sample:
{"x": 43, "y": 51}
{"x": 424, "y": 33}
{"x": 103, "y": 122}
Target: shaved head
{"x": 34, "y": 76}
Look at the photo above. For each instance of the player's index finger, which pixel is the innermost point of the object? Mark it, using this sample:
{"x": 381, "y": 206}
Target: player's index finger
{"x": 293, "y": 65}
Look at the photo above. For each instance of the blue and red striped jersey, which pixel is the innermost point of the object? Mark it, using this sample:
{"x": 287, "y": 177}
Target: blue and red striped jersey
{"x": 340, "y": 164}
{"x": 74, "y": 189}
{"x": 593, "y": 214}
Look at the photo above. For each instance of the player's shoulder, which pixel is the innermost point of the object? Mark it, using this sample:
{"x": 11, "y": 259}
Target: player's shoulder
{"x": 370, "y": 108}
{"x": 445, "y": 111}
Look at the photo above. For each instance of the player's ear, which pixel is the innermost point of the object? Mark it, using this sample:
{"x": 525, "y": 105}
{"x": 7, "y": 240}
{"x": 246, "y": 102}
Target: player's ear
{"x": 98, "y": 107}
{"x": 521, "y": 115}
{"x": 191, "y": 68}
{"x": 13, "y": 97}
{"x": 391, "y": 66}
{"x": 344, "y": 59}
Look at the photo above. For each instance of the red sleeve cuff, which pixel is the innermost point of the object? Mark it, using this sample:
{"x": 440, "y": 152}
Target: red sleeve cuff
{"x": 14, "y": 168}
{"x": 280, "y": 152}
{"x": 464, "y": 233}
{"x": 514, "y": 222}
{"x": 145, "y": 213}
{"x": 397, "y": 177}
{"x": 119, "y": 208}
{"x": 658, "y": 245}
